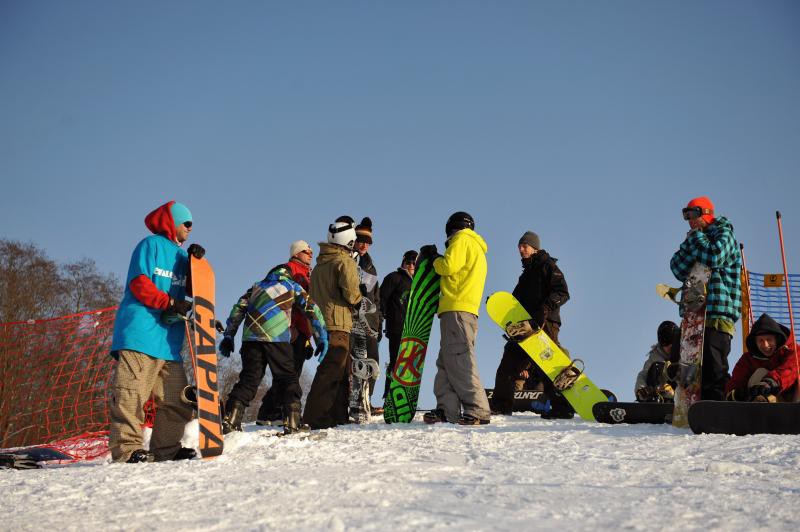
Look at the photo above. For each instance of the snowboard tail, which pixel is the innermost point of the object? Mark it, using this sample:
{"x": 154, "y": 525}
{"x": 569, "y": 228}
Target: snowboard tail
{"x": 740, "y": 418}
{"x": 582, "y": 393}
{"x": 203, "y": 350}
{"x": 632, "y": 413}
{"x": 406, "y": 376}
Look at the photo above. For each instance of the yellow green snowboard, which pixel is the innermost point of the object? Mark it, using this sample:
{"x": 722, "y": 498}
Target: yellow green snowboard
{"x": 504, "y": 309}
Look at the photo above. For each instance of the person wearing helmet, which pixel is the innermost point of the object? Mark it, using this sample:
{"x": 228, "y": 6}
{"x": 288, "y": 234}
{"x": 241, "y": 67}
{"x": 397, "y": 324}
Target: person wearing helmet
{"x": 542, "y": 290}
{"x": 767, "y": 371}
{"x": 267, "y": 309}
{"x": 655, "y": 383}
{"x": 460, "y": 396}
{"x": 710, "y": 241}
{"x": 335, "y": 288}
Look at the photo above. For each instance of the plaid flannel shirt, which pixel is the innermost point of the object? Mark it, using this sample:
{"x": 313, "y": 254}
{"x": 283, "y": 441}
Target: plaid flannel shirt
{"x": 716, "y": 247}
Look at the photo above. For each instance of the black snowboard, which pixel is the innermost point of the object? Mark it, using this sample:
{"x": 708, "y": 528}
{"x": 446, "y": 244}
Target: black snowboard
{"x": 616, "y": 413}
{"x": 29, "y": 457}
{"x": 733, "y": 417}
{"x": 523, "y": 399}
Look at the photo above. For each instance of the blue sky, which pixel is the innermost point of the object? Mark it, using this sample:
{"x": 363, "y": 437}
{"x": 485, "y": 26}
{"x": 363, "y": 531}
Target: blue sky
{"x": 591, "y": 123}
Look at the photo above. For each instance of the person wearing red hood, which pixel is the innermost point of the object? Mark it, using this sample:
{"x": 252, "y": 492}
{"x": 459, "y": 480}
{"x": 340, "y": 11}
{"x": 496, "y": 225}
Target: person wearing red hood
{"x": 147, "y": 347}
{"x": 710, "y": 241}
{"x": 767, "y": 371}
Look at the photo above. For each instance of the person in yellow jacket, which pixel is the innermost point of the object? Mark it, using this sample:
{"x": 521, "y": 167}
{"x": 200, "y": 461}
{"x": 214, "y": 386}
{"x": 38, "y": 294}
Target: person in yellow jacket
{"x": 460, "y": 396}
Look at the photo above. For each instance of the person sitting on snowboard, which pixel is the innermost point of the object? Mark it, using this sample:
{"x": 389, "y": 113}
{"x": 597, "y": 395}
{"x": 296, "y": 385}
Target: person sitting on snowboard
{"x": 267, "y": 309}
{"x": 711, "y": 242}
{"x": 542, "y": 290}
{"x": 653, "y": 384}
{"x": 767, "y": 371}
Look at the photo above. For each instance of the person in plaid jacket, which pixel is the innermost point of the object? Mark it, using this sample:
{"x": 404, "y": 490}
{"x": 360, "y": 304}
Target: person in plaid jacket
{"x": 711, "y": 242}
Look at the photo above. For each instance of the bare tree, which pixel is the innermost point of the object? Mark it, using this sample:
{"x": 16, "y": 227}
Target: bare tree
{"x": 29, "y": 283}
{"x": 84, "y": 288}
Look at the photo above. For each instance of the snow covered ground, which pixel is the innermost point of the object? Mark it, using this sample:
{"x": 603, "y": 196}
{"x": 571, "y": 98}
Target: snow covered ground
{"x": 519, "y": 473}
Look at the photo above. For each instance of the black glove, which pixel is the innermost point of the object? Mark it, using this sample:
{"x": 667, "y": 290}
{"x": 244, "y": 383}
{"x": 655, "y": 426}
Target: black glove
{"x": 308, "y": 350}
{"x": 196, "y": 250}
{"x": 764, "y": 388}
{"x": 226, "y": 346}
{"x": 429, "y": 249}
{"x": 644, "y": 394}
{"x": 179, "y": 307}
{"x": 218, "y": 326}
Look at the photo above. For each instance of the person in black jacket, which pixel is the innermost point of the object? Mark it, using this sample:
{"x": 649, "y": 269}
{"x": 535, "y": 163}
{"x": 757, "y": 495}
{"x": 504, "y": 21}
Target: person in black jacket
{"x": 542, "y": 290}
{"x": 394, "y": 296}
{"x": 370, "y": 288}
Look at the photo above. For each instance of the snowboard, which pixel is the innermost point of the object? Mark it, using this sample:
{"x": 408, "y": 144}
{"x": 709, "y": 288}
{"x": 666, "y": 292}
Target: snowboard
{"x": 504, "y": 309}
{"x": 406, "y": 376}
{"x": 614, "y": 413}
{"x": 693, "y": 322}
{"x": 741, "y": 418}
{"x": 203, "y": 350}
{"x": 362, "y": 368}
{"x": 30, "y": 457}
{"x": 523, "y": 399}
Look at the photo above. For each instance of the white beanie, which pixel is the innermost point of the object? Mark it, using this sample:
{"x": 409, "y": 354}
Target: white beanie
{"x": 298, "y": 246}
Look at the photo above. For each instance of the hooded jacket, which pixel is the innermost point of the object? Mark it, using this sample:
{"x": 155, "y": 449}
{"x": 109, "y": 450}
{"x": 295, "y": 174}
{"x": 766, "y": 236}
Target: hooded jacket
{"x": 782, "y": 365}
{"x": 157, "y": 272}
{"x": 463, "y": 270}
{"x": 334, "y": 286}
{"x": 542, "y": 288}
{"x": 716, "y": 247}
{"x": 656, "y": 354}
{"x": 268, "y": 307}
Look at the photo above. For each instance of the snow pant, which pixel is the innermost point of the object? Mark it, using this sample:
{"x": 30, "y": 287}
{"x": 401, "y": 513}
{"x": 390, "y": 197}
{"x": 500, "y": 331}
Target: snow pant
{"x": 716, "y": 347}
{"x": 272, "y": 403}
{"x": 136, "y": 378}
{"x": 327, "y": 401}
{"x": 457, "y": 385}
{"x": 394, "y": 348}
{"x": 256, "y": 356}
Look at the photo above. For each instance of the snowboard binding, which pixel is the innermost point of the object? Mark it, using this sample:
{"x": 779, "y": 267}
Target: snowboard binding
{"x": 567, "y": 376}
{"x": 365, "y": 368}
{"x": 519, "y": 331}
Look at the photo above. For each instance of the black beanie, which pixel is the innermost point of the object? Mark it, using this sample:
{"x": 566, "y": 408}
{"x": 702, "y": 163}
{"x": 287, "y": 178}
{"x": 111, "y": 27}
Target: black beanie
{"x": 364, "y": 231}
{"x": 410, "y": 256}
{"x": 667, "y": 332}
{"x": 530, "y": 238}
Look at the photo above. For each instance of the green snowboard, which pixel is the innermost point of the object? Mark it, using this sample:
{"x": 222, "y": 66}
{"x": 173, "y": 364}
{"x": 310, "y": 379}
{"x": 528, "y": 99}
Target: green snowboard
{"x": 504, "y": 309}
{"x": 406, "y": 376}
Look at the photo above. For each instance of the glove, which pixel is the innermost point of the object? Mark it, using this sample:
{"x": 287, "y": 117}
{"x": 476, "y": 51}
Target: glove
{"x": 539, "y": 317}
{"x": 218, "y": 326}
{"x": 644, "y": 394}
{"x": 179, "y": 307}
{"x": 309, "y": 350}
{"x": 429, "y": 249}
{"x": 226, "y": 346}
{"x": 196, "y": 250}
{"x": 764, "y": 388}
{"x": 322, "y": 349}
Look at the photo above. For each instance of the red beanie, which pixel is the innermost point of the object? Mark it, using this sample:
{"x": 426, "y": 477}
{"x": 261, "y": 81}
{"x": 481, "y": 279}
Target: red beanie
{"x": 708, "y": 208}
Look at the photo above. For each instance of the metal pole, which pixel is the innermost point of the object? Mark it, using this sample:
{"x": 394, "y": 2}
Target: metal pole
{"x": 746, "y": 276}
{"x": 788, "y": 292}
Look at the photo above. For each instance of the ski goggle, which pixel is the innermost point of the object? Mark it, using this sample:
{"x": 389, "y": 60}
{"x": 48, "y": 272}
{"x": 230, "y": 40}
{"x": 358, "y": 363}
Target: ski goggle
{"x": 690, "y": 213}
{"x": 187, "y": 225}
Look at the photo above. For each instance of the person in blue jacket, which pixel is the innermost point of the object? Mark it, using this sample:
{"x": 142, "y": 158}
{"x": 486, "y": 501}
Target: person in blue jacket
{"x": 148, "y": 348}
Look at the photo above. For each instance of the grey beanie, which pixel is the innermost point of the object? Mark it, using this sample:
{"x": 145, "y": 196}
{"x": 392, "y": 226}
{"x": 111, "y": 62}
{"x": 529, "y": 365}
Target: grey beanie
{"x": 530, "y": 238}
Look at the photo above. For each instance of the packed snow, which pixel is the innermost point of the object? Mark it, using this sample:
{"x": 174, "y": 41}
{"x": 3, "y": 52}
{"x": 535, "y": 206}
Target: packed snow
{"x": 518, "y": 473}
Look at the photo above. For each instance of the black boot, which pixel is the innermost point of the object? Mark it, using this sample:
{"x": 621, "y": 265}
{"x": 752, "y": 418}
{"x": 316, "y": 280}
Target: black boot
{"x": 139, "y": 456}
{"x": 234, "y": 412}
{"x": 291, "y": 418}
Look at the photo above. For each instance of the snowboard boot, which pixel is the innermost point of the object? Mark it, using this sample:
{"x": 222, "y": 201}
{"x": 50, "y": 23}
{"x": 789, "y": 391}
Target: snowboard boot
{"x": 234, "y": 412}
{"x": 467, "y": 419}
{"x": 185, "y": 453}
{"x": 559, "y": 409}
{"x": 434, "y": 416}
{"x": 140, "y": 455}
{"x": 291, "y": 419}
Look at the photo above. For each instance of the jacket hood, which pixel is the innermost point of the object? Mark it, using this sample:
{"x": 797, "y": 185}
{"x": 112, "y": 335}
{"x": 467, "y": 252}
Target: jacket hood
{"x": 722, "y": 223}
{"x": 330, "y": 252}
{"x": 469, "y": 233}
{"x": 766, "y": 324}
{"x": 160, "y": 222}
{"x": 279, "y": 273}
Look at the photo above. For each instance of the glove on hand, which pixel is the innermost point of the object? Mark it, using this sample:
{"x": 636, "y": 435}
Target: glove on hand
{"x": 322, "y": 349}
{"x": 764, "y": 388}
{"x": 179, "y": 307}
{"x": 308, "y": 349}
{"x": 196, "y": 250}
{"x": 226, "y": 346}
{"x": 644, "y": 394}
{"x": 429, "y": 249}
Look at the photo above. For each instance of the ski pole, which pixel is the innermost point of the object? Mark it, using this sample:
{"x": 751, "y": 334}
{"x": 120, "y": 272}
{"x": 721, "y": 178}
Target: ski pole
{"x": 788, "y": 290}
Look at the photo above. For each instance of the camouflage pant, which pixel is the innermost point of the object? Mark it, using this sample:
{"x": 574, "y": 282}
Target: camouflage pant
{"x": 137, "y": 377}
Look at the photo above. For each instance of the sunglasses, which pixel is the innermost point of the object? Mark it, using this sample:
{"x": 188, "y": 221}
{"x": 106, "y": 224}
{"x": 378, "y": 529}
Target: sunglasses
{"x": 187, "y": 225}
{"x": 690, "y": 213}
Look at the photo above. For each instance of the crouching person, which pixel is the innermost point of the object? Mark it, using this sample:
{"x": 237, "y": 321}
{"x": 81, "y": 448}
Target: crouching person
{"x": 767, "y": 372}
{"x": 656, "y": 382}
{"x": 266, "y": 310}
